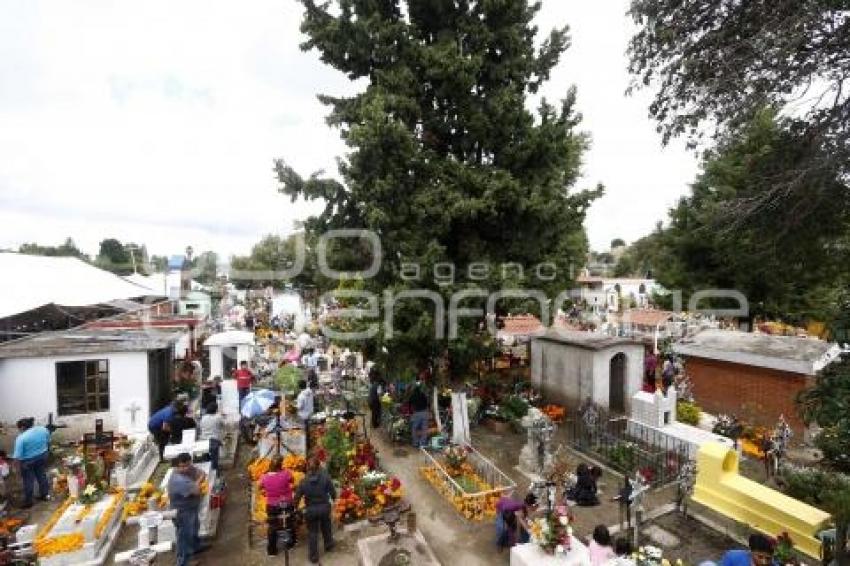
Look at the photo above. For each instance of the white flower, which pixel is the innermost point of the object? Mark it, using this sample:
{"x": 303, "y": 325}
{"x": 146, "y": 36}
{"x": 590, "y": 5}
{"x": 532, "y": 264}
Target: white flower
{"x": 90, "y": 489}
{"x": 559, "y": 549}
{"x": 569, "y": 531}
{"x": 564, "y": 520}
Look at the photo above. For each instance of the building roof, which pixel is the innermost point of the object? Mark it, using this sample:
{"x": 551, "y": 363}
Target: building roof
{"x": 521, "y": 325}
{"x": 88, "y": 341}
{"x": 230, "y": 338}
{"x": 31, "y": 281}
{"x": 785, "y": 353}
{"x": 646, "y": 317}
{"x": 586, "y": 340}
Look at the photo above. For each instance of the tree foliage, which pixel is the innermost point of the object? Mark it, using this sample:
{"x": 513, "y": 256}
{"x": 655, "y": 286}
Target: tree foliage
{"x": 720, "y": 62}
{"x": 67, "y": 249}
{"x": 787, "y": 264}
{"x": 270, "y": 260}
{"x": 445, "y": 162}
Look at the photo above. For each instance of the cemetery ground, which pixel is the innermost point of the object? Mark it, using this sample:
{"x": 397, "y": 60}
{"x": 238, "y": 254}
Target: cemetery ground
{"x": 452, "y": 539}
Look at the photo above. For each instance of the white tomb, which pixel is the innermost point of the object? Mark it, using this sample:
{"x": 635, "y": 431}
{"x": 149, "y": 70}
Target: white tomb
{"x": 97, "y": 546}
{"x": 657, "y": 413}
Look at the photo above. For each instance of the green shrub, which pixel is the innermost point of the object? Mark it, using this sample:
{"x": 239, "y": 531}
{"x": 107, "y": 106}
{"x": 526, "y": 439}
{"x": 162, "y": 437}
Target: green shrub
{"x": 688, "y": 413}
{"x": 622, "y": 456}
{"x": 812, "y": 485}
{"x": 513, "y": 408}
{"x": 834, "y": 442}
{"x": 287, "y": 378}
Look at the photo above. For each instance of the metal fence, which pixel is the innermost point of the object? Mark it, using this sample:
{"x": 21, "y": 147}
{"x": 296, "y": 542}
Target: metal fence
{"x": 628, "y": 446}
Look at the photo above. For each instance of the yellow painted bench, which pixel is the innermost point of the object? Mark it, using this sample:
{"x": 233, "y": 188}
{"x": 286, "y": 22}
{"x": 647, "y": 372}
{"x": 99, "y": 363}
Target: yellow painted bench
{"x": 720, "y": 487}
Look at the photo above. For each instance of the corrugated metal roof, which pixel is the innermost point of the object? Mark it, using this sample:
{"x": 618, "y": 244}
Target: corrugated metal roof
{"x": 89, "y": 341}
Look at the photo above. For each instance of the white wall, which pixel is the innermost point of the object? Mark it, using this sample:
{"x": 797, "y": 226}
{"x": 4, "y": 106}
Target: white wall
{"x": 28, "y": 389}
{"x": 568, "y": 374}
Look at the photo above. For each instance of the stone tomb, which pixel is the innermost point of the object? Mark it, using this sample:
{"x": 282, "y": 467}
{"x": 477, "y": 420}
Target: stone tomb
{"x": 97, "y": 545}
{"x": 378, "y": 550}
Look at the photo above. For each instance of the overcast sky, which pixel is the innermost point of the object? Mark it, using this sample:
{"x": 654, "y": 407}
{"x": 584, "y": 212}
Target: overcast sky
{"x": 157, "y": 122}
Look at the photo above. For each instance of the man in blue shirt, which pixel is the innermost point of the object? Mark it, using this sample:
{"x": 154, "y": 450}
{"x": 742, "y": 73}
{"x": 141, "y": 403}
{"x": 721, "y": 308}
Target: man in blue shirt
{"x": 31, "y": 447}
{"x": 759, "y": 554}
{"x": 158, "y": 425}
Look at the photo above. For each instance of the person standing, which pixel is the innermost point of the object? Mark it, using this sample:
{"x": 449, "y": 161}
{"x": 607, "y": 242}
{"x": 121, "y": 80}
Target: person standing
{"x": 375, "y": 398}
{"x": 420, "y": 416}
{"x": 244, "y": 378}
{"x": 31, "y": 447}
{"x": 276, "y": 485}
{"x": 212, "y": 429}
{"x": 304, "y": 407}
{"x": 318, "y": 492}
{"x": 184, "y": 494}
{"x": 158, "y": 425}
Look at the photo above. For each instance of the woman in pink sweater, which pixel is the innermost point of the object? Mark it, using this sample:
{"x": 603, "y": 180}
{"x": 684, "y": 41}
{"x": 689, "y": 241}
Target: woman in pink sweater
{"x": 276, "y": 486}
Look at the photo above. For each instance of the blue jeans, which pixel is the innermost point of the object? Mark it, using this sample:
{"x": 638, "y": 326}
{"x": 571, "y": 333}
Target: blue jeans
{"x": 419, "y": 428}
{"x": 188, "y": 526}
{"x": 34, "y": 470}
{"x": 215, "y": 449}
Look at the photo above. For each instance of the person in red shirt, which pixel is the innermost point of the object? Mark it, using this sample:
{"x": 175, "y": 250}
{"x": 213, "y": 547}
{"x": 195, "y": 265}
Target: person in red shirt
{"x": 244, "y": 377}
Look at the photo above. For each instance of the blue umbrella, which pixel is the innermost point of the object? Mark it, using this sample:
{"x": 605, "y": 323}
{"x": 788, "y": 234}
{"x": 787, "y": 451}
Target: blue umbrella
{"x": 257, "y": 402}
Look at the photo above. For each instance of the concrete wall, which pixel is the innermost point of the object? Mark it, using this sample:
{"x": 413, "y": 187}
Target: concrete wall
{"x": 243, "y": 352}
{"x": 568, "y": 374}
{"x": 28, "y": 388}
{"x": 756, "y": 395}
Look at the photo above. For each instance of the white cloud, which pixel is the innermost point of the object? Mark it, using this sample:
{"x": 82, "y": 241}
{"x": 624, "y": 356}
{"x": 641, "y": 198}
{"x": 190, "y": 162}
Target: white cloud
{"x": 157, "y": 121}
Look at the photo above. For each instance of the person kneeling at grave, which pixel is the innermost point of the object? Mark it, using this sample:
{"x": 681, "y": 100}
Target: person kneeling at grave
{"x": 584, "y": 493}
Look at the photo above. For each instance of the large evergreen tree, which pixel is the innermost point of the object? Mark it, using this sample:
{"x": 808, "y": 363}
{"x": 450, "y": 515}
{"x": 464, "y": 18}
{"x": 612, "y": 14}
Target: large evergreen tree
{"x": 445, "y": 162}
{"x": 789, "y": 261}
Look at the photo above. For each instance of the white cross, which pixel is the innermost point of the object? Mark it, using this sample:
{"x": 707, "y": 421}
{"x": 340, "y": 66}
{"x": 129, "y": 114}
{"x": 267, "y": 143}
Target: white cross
{"x": 133, "y": 409}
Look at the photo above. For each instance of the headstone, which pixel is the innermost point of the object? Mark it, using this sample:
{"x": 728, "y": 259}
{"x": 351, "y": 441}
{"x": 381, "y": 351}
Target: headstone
{"x": 460, "y": 420}
{"x": 229, "y": 398}
{"x": 188, "y": 437}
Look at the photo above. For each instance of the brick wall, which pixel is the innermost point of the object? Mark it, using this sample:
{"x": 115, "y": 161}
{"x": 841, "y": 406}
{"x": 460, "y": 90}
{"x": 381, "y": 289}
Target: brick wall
{"x": 757, "y": 395}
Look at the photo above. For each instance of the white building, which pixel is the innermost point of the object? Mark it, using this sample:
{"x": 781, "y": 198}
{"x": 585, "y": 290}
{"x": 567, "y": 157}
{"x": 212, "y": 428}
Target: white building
{"x": 228, "y": 349}
{"x": 603, "y": 294}
{"x": 86, "y": 374}
{"x": 571, "y": 366}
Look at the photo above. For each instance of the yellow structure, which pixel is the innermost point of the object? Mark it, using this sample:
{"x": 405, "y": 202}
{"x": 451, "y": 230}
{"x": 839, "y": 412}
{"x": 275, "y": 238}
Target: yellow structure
{"x": 721, "y": 488}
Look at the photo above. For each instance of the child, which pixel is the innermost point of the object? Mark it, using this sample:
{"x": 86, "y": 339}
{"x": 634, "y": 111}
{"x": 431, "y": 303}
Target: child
{"x": 600, "y": 546}
{"x": 5, "y": 470}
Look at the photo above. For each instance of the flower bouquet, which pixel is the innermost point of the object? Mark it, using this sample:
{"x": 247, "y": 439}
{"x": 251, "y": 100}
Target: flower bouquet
{"x": 91, "y": 494}
{"x": 348, "y": 506}
{"x": 651, "y": 556}
{"x": 554, "y": 532}
{"x": 455, "y": 458}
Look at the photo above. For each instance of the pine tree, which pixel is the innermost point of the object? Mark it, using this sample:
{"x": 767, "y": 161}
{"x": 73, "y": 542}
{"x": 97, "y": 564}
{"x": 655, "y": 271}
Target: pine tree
{"x": 446, "y": 163}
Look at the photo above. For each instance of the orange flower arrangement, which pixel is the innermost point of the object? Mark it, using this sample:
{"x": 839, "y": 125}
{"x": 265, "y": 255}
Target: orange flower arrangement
{"x": 117, "y": 497}
{"x": 45, "y": 547}
{"x": 554, "y": 412}
{"x": 474, "y": 507}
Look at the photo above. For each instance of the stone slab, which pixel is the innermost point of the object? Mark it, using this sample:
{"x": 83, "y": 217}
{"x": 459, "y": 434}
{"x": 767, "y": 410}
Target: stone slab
{"x": 373, "y": 549}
